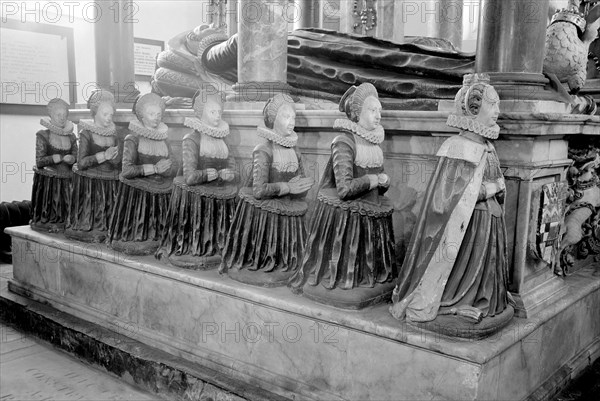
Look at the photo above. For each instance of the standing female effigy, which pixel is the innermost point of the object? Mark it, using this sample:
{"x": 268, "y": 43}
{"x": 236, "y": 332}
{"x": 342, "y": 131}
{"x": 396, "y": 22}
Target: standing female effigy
{"x": 349, "y": 260}
{"x": 55, "y": 153}
{"x": 203, "y": 199}
{"x": 267, "y": 236}
{"x": 457, "y": 263}
{"x": 96, "y": 174}
{"x": 138, "y": 221}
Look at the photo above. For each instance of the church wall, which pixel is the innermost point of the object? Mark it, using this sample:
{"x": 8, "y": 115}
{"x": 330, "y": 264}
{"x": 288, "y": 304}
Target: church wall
{"x": 17, "y": 141}
{"x": 17, "y": 152}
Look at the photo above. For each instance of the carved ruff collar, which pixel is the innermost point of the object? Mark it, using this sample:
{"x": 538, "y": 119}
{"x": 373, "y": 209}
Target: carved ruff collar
{"x": 158, "y": 134}
{"x": 285, "y": 141}
{"x": 195, "y": 123}
{"x": 67, "y": 130}
{"x": 468, "y": 124}
{"x": 89, "y": 125}
{"x": 375, "y": 136}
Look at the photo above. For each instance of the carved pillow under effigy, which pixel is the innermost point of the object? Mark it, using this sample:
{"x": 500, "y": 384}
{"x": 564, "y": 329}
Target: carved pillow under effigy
{"x": 173, "y": 61}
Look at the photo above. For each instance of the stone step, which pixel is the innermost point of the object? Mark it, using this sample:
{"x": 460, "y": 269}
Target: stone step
{"x": 136, "y": 363}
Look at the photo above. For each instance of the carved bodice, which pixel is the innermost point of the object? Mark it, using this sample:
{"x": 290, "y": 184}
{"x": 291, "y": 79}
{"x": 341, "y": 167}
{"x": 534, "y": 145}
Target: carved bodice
{"x": 139, "y": 152}
{"x": 268, "y": 163}
{"x": 49, "y": 144}
{"x": 345, "y": 175}
{"x": 91, "y": 144}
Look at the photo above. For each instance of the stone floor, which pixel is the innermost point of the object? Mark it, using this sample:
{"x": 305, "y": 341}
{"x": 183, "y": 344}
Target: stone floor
{"x": 585, "y": 388}
{"x": 33, "y": 370}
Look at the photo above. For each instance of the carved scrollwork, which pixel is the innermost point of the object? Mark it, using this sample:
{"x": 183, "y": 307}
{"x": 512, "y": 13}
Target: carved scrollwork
{"x": 581, "y": 239}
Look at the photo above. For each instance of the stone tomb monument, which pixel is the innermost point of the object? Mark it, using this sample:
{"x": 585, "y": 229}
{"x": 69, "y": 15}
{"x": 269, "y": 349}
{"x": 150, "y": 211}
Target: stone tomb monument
{"x": 191, "y": 332}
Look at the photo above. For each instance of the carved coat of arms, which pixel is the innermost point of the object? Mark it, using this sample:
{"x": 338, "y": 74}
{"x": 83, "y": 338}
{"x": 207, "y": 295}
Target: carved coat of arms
{"x": 552, "y": 210}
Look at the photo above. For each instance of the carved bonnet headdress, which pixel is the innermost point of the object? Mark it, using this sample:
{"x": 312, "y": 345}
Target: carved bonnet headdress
{"x": 468, "y": 102}
{"x": 47, "y": 122}
{"x": 352, "y": 101}
{"x": 204, "y": 97}
{"x": 97, "y": 98}
{"x": 146, "y": 99}
{"x": 273, "y": 105}
{"x": 55, "y": 103}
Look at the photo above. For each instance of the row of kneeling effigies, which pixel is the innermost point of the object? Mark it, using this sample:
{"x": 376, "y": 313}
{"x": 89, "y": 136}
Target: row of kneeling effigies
{"x": 125, "y": 188}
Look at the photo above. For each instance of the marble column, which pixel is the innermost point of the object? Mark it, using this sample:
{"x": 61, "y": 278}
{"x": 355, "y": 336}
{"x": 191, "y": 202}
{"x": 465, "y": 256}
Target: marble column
{"x": 346, "y": 18}
{"x": 232, "y": 20}
{"x": 304, "y": 13}
{"x": 510, "y": 47}
{"x": 262, "y": 49}
{"x": 390, "y": 22}
{"x": 113, "y": 37}
{"x": 444, "y": 20}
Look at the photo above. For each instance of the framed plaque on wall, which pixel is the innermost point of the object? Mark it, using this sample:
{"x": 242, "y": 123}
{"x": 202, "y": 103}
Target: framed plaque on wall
{"x": 38, "y": 64}
{"x": 145, "y": 53}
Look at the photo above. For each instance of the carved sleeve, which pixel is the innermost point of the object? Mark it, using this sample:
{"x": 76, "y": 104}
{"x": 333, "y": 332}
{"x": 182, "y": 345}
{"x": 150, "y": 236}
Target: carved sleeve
{"x": 42, "y": 158}
{"x": 301, "y": 173}
{"x": 261, "y": 168}
{"x": 130, "y": 158}
{"x": 492, "y": 175}
{"x": 501, "y": 195}
{"x": 119, "y": 144}
{"x": 74, "y": 148}
{"x": 191, "y": 155}
{"x": 482, "y": 193}
{"x": 347, "y": 186}
{"x": 232, "y": 165}
{"x": 85, "y": 159}
{"x": 172, "y": 172}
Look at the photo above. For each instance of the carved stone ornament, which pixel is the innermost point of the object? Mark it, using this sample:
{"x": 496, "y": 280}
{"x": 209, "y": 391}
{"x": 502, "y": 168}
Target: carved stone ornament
{"x": 580, "y": 244}
{"x": 550, "y": 221}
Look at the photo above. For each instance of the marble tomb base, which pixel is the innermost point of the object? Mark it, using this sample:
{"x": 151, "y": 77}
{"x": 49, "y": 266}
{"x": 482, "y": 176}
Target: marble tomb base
{"x": 291, "y": 347}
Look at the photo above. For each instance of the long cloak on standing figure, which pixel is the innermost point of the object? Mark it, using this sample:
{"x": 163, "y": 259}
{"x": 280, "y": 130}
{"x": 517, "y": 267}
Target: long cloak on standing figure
{"x": 455, "y": 239}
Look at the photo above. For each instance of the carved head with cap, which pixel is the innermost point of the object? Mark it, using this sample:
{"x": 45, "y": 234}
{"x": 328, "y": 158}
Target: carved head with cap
{"x": 102, "y": 106}
{"x": 280, "y": 114}
{"x": 477, "y": 107}
{"x": 58, "y": 110}
{"x": 208, "y": 107}
{"x": 361, "y": 105}
{"x": 149, "y": 109}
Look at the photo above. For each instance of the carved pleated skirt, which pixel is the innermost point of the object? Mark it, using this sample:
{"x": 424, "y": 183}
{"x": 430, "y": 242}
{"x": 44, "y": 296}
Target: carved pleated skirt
{"x": 266, "y": 235}
{"x": 93, "y": 201}
{"x": 141, "y": 209}
{"x": 350, "y": 244}
{"x": 51, "y": 197}
{"x": 199, "y": 218}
